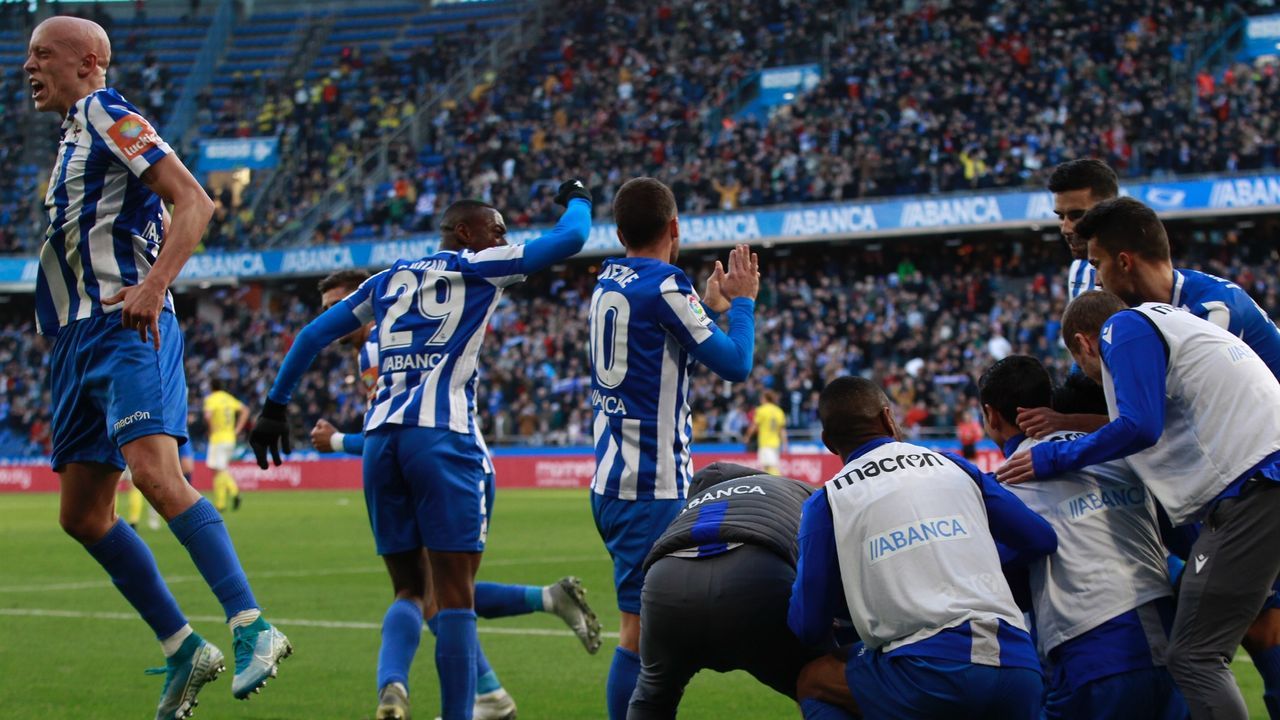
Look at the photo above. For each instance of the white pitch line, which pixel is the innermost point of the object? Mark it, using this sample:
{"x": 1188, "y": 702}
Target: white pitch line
{"x": 282, "y": 622}
{"x": 267, "y": 574}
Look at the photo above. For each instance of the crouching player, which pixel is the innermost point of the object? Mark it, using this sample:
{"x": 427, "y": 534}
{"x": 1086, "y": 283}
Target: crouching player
{"x": 910, "y": 544}
{"x": 1103, "y": 603}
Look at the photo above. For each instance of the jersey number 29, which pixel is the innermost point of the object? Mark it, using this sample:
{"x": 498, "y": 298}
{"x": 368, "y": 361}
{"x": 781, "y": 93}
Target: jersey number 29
{"x": 440, "y": 296}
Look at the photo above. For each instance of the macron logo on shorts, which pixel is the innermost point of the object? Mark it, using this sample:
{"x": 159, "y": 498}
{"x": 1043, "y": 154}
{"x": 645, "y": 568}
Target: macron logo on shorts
{"x": 131, "y": 419}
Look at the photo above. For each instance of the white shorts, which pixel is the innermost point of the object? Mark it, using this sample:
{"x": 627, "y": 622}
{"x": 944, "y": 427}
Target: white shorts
{"x": 769, "y": 457}
{"x": 219, "y": 456}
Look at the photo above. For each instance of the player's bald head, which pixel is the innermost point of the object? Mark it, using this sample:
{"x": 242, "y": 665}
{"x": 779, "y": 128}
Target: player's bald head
{"x": 852, "y": 411}
{"x": 82, "y": 37}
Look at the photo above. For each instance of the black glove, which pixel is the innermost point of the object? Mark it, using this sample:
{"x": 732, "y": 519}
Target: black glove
{"x": 571, "y": 189}
{"x": 271, "y": 432}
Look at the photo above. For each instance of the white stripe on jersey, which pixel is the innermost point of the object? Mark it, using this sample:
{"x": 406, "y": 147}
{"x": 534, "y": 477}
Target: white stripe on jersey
{"x": 679, "y": 304}
{"x": 630, "y": 458}
{"x": 71, "y": 230}
{"x": 106, "y": 269}
{"x": 51, "y": 271}
{"x": 1081, "y": 278}
{"x": 460, "y": 415}
{"x": 501, "y": 253}
{"x": 664, "y": 484}
{"x": 601, "y": 477}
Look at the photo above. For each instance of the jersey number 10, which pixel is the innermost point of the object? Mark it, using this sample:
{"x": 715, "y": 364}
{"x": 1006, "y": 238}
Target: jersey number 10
{"x": 610, "y": 316}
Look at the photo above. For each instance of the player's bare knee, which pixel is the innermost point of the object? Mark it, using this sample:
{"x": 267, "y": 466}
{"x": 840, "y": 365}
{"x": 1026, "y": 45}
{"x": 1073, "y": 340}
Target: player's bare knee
{"x": 86, "y": 527}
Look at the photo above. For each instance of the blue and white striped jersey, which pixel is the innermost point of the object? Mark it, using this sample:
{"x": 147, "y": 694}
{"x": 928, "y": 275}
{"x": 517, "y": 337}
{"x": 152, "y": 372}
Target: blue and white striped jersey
{"x": 105, "y": 225}
{"x": 1081, "y": 278}
{"x": 368, "y": 360}
{"x": 369, "y": 380}
{"x": 1228, "y": 306}
{"x": 431, "y": 315}
{"x": 647, "y": 328}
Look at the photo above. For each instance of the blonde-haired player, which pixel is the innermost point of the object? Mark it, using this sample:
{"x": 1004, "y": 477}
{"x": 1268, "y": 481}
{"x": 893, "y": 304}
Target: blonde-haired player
{"x": 226, "y": 417}
{"x": 769, "y": 427}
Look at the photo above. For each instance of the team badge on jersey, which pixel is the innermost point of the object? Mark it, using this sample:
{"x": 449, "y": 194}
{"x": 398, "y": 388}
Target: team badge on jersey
{"x": 133, "y": 135}
{"x": 699, "y": 312}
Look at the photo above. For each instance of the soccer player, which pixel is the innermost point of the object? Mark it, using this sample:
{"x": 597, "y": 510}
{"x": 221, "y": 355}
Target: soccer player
{"x": 910, "y": 544}
{"x": 1078, "y": 185}
{"x": 1103, "y": 602}
{"x": 423, "y": 467}
{"x": 716, "y": 589}
{"x": 648, "y": 326}
{"x": 1197, "y": 414}
{"x": 225, "y": 417}
{"x": 566, "y": 597}
{"x": 115, "y": 368}
{"x": 1130, "y": 248}
{"x": 769, "y": 428}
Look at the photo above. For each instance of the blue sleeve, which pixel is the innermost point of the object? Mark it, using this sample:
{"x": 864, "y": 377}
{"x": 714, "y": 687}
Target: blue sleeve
{"x": 1137, "y": 358}
{"x": 730, "y": 355}
{"x": 563, "y": 241}
{"x": 353, "y": 443}
{"x": 1020, "y": 533}
{"x": 817, "y": 596}
{"x": 335, "y": 322}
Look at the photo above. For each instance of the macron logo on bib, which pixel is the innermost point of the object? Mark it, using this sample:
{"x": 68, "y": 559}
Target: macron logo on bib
{"x": 916, "y": 534}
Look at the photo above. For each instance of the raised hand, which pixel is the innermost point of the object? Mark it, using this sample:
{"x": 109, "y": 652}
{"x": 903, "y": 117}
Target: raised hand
{"x": 713, "y": 297}
{"x": 743, "y": 277}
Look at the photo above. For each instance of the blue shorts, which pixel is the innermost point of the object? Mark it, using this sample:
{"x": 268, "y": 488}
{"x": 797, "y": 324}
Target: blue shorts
{"x": 109, "y": 388}
{"x": 903, "y": 687}
{"x": 425, "y": 487}
{"x": 1148, "y": 694}
{"x": 629, "y": 529}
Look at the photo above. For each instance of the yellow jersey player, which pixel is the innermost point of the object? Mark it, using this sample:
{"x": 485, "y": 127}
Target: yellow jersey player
{"x": 769, "y": 427}
{"x": 226, "y": 417}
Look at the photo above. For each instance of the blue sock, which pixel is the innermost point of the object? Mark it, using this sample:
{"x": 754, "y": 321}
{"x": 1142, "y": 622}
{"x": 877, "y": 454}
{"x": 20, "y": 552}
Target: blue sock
{"x": 133, "y": 569}
{"x": 494, "y": 600}
{"x": 1268, "y": 664}
{"x": 818, "y": 710}
{"x": 486, "y": 679}
{"x": 401, "y": 631}
{"x": 623, "y": 674}
{"x": 200, "y": 530}
{"x": 456, "y": 662}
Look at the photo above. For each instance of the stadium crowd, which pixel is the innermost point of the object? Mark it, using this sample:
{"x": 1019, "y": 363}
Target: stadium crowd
{"x": 923, "y": 324}
{"x": 931, "y": 99}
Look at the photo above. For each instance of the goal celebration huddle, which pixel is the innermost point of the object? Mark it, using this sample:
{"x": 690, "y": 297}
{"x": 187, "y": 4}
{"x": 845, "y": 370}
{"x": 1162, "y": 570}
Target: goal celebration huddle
{"x": 1110, "y": 567}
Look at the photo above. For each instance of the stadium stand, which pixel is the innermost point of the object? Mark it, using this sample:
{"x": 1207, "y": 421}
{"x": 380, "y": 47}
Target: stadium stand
{"x": 1019, "y": 90}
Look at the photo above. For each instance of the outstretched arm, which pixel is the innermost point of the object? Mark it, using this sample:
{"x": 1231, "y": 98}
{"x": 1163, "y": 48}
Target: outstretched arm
{"x": 1020, "y": 533}
{"x": 1138, "y": 363}
{"x": 563, "y": 241}
{"x": 333, "y": 324}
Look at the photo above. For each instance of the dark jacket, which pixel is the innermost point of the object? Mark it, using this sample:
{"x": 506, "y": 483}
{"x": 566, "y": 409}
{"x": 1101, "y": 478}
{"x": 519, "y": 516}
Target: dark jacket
{"x": 735, "y": 504}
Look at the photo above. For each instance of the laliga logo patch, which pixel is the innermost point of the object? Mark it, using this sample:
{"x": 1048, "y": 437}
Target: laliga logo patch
{"x": 133, "y": 135}
{"x": 698, "y": 311}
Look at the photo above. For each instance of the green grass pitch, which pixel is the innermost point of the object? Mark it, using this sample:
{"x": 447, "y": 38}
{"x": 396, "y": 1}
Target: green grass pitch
{"x": 70, "y": 647}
